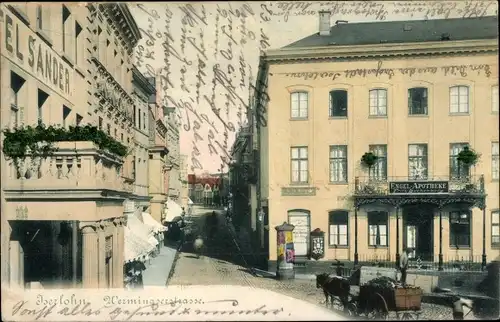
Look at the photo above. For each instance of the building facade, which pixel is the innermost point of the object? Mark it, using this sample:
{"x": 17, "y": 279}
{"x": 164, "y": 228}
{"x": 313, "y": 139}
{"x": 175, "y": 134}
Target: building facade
{"x": 158, "y": 152}
{"x": 183, "y": 178}
{"x": 368, "y": 147}
{"x": 173, "y": 143}
{"x": 60, "y": 205}
{"x": 142, "y": 91}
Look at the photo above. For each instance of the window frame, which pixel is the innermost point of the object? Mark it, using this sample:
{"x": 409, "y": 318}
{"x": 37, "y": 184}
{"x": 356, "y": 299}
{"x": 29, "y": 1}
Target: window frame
{"x": 453, "y": 161}
{"x": 495, "y": 159}
{"x": 373, "y": 148}
{"x": 338, "y": 222}
{"x": 378, "y": 223}
{"x": 424, "y": 157}
{"x": 331, "y": 109}
{"x": 64, "y": 11}
{"x": 425, "y": 95}
{"x": 16, "y": 93}
{"x": 299, "y": 109}
{"x": 299, "y": 159}
{"x": 343, "y": 160}
{"x": 459, "y": 95}
{"x": 453, "y": 234}
{"x": 377, "y": 106}
{"x": 494, "y": 99}
{"x": 495, "y": 224}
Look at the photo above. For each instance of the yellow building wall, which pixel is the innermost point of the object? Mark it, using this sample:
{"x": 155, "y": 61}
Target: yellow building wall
{"x": 438, "y": 129}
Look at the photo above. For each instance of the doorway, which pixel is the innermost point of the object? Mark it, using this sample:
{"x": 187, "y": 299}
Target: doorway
{"x": 418, "y": 232}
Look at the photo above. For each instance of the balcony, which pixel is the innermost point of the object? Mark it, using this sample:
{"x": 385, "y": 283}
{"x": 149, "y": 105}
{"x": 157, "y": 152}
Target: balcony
{"x": 404, "y": 185}
{"x": 438, "y": 190}
{"x": 75, "y": 166}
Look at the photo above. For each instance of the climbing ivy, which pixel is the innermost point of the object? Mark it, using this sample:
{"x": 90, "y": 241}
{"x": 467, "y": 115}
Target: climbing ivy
{"x": 39, "y": 141}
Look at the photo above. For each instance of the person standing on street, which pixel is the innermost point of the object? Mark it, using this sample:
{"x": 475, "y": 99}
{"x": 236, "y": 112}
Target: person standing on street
{"x": 198, "y": 245}
{"x": 403, "y": 265}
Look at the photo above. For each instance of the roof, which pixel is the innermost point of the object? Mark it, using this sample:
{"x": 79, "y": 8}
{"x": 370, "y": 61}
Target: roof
{"x": 211, "y": 180}
{"x": 408, "y": 31}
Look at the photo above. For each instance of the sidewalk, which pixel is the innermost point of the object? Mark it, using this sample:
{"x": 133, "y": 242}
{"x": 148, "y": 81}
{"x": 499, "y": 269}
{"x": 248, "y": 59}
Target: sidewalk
{"x": 156, "y": 273}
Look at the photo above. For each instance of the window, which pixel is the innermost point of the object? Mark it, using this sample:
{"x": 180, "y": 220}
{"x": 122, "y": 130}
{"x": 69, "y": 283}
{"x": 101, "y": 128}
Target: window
{"x": 378, "y": 102}
{"x": 299, "y": 165}
{"x": 140, "y": 121}
{"x": 495, "y": 228}
{"x": 494, "y": 99}
{"x": 78, "y": 44}
{"x": 108, "y": 129}
{"x": 135, "y": 115}
{"x": 143, "y": 120}
{"x": 116, "y": 133}
{"x": 494, "y": 161}
{"x": 417, "y": 161}
{"x": 338, "y": 163}
{"x": 338, "y": 103}
{"x": 65, "y": 30}
{"x": 79, "y": 119}
{"x": 300, "y": 105}
{"x": 100, "y": 123}
{"x": 458, "y": 170}
{"x": 39, "y": 17}
{"x": 417, "y": 101}
{"x": 379, "y": 169}
{"x": 133, "y": 167}
{"x": 338, "y": 221}
{"x": 460, "y": 228}
{"x": 16, "y": 91}
{"x": 121, "y": 137}
{"x": 66, "y": 113}
{"x": 377, "y": 228}
{"x": 42, "y": 98}
{"x": 459, "y": 99}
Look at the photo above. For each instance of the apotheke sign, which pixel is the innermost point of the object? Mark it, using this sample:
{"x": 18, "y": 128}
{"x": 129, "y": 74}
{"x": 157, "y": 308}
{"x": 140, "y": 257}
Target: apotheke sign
{"x": 410, "y": 187}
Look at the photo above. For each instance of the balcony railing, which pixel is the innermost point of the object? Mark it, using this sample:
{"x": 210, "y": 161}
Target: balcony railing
{"x": 405, "y": 185}
{"x": 75, "y": 165}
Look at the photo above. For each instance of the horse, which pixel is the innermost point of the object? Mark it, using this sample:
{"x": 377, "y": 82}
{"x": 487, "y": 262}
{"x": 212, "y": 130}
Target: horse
{"x": 334, "y": 286}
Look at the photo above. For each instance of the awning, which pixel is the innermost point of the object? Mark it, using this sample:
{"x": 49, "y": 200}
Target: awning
{"x": 190, "y": 202}
{"x": 145, "y": 232}
{"x": 136, "y": 248}
{"x": 150, "y": 221}
{"x": 172, "y": 210}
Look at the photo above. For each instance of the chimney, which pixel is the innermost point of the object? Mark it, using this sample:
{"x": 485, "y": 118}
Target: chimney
{"x": 324, "y": 23}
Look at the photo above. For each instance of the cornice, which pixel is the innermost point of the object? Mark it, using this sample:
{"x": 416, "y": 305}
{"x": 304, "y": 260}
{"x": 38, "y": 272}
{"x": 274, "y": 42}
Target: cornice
{"x": 142, "y": 81}
{"x": 381, "y": 50}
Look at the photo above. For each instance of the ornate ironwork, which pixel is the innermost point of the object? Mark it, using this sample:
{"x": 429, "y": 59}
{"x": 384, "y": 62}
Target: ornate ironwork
{"x": 468, "y": 190}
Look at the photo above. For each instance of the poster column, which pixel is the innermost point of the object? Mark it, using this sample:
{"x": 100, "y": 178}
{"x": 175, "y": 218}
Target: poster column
{"x": 286, "y": 254}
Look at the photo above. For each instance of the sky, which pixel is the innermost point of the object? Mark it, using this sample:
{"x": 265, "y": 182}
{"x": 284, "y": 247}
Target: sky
{"x": 202, "y": 48}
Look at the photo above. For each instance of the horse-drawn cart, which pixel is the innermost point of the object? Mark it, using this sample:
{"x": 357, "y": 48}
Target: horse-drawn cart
{"x": 382, "y": 295}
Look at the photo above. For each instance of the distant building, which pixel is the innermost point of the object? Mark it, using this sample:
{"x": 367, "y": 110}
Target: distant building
{"x": 204, "y": 190}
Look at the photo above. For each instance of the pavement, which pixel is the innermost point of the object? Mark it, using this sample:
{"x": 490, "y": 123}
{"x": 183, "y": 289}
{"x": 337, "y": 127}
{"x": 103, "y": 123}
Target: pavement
{"x": 158, "y": 269}
{"x": 220, "y": 263}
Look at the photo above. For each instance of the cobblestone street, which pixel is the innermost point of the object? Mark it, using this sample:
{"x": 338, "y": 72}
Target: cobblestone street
{"x": 220, "y": 265}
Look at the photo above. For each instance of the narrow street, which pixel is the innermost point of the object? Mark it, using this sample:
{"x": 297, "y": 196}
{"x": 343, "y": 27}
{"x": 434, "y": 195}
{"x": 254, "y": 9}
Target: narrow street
{"x": 221, "y": 263}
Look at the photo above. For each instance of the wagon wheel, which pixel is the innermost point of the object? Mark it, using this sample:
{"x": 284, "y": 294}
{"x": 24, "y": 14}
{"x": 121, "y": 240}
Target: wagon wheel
{"x": 378, "y": 308}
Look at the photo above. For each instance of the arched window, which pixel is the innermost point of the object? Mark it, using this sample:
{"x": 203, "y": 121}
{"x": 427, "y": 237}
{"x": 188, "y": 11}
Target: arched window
{"x": 299, "y": 105}
{"x": 338, "y": 103}
{"x": 378, "y": 102}
{"x": 301, "y": 233}
{"x": 459, "y": 99}
{"x": 417, "y": 101}
{"x": 338, "y": 228}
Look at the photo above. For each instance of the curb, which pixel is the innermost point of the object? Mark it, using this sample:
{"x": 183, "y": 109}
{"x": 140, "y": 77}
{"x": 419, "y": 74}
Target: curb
{"x": 172, "y": 269}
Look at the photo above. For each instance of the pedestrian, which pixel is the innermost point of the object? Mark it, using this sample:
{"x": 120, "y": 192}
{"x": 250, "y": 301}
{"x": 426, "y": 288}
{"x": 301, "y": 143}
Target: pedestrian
{"x": 198, "y": 245}
{"x": 403, "y": 265}
{"x": 458, "y": 307}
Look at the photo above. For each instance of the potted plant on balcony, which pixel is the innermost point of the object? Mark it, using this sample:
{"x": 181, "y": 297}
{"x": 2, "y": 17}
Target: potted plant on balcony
{"x": 469, "y": 158}
{"x": 368, "y": 160}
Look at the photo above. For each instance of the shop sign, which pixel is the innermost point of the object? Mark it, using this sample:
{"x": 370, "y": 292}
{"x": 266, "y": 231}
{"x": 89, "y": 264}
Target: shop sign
{"x": 318, "y": 244}
{"x": 25, "y": 48}
{"x": 412, "y": 187}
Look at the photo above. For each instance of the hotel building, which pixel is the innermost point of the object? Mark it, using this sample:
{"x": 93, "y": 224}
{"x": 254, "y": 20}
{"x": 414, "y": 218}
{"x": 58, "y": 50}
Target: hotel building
{"x": 63, "y": 214}
{"x": 360, "y": 129}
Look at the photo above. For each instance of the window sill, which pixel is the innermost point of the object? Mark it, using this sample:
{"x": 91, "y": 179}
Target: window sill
{"x": 495, "y": 180}
{"x": 66, "y": 58}
{"x": 80, "y": 71}
{"x": 418, "y": 115}
{"x": 377, "y": 247}
{"x": 494, "y": 112}
{"x": 338, "y": 183}
{"x": 44, "y": 37}
{"x": 460, "y": 248}
{"x": 299, "y": 184}
{"x": 495, "y": 246}
{"x": 459, "y": 114}
{"x": 337, "y": 117}
{"x": 377, "y": 116}
{"x": 338, "y": 246}
{"x": 299, "y": 119}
